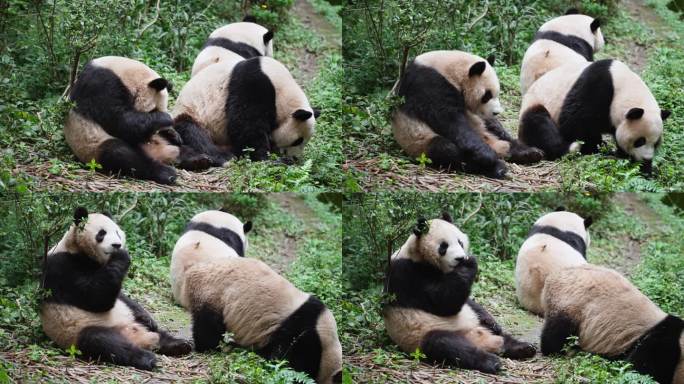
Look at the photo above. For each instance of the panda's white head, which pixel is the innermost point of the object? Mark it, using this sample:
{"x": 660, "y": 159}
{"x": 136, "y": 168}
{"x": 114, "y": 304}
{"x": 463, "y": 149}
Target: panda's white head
{"x": 438, "y": 242}
{"x": 567, "y": 221}
{"x": 481, "y": 89}
{"x": 222, "y": 219}
{"x": 572, "y": 23}
{"x": 639, "y": 133}
{"x": 95, "y": 235}
{"x": 148, "y": 90}
{"x": 291, "y": 136}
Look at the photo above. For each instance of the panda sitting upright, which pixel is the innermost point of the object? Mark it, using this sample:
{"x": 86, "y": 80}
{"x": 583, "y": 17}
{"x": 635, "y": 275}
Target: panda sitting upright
{"x": 430, "y": 279}
{"x": 86, "y": 308}
{"x": 448, "y": 114}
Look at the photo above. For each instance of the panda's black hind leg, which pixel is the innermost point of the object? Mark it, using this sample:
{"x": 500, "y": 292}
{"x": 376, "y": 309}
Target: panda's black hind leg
{"x": 557, "y": 328}
{"x": 453, "y": 349}
{"x": 118, "y": 157}
{"x": 446, "y": 154}
{"x": 107, "y": 344}
{"x": 537, "y": 129}
{"x": 207, "y": 328}
{"x": 199, "y": 140}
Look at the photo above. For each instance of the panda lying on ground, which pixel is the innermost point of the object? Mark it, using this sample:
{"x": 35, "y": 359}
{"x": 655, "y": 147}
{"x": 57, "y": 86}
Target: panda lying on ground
{"x": 86, "y": 307}
{"x": 611, "y": 317}
{"x": 430, "y": 278}
{"x": 227, "y": 292}
{"x": 448, "y": 114}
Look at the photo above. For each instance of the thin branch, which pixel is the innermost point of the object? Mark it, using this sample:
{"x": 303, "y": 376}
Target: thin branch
{"x": 477, "y": 19}
{"x": 129, "y": 209}
{"x": 471, "y": 214}
{"x": 154, "y": 20}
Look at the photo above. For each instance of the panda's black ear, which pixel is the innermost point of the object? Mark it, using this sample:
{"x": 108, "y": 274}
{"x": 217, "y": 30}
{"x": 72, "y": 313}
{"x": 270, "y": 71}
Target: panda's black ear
{"x": 560, "y": 208}
{"x": 665, "y": 113}
{"x": 158, "y": 84}
{"x": 447, "y": 217}
{"x": 107, "y": 214}
{"x": 317, "y": 112}
{"x": 249, "y": 19}
{"x": 246, "y": 227}
{"x": 572, "y": 11}
{"x": 491, "y": 58}
{"x": 595, "y": 25}
{"x": 587, "y": 222}
{"x": 420, "y": 228}
{"x": 268, "y": 36}
{"x": 477, "y": 69}
{"x": 302, "y": 114}
{"x": 80, "y": 213}
{"x": 634, "y": 113}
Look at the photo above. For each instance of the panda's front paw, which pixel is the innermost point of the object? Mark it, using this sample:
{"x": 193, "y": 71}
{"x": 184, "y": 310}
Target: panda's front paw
{"x": 162, "y": 119}
{"x": 171, "y": 135}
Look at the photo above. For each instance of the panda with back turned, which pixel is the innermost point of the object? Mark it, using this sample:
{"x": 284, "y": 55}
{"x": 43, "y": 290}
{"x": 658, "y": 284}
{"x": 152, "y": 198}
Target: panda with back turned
{"x": 568, "y": 39}
{"x": 234, "y": 42}
{"x": 85, "y": 306}
{"x": 429, "y": 281}
{"x": 448, "y": 114}
{"x": 226, "y": 292}
{"x": 120, "y": 120}
{"x": 223, "y": 111}
{"x": 579, "y": 103}
{"x": 612, "y": 318}
{"x": 556, "y": 240}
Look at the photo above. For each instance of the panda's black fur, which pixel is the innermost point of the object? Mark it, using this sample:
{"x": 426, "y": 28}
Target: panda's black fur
{"x": 242, "y": 49}
{"x": 575, "y": 43}
{"x": 78, "y": 280}
{"x": 226, "y": 235}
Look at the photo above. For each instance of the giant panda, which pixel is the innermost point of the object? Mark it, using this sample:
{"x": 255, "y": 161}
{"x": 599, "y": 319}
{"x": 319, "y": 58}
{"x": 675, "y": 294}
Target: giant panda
{"x": 85, "y": 306}
{"x": 234, "y": 42}
{"x": 429, "y": 282}
{"x": 568, "y": 39}
{"x": 209, "y": 236}
{"x": 120, "y": 121}
{"x": 448, "y": 114}
{"x": 555, "y": 241}
{"x": 255, "y": 104}
{"x": 226, "y": 292}
{"x": 611, "y": 317}
{"x": 581, "y": 102}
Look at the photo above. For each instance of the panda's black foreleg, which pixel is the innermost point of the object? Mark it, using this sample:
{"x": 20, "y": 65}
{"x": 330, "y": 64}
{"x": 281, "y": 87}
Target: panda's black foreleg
{"x": 198, "y": 139}
{"x": 537, "y": 129}
{"x": 453, "y": 349}
{"x": 486, "y": 319}
{"x": 207, "y": 328}
{"x": 557, "y": 328}
{"x": 107, "y": 344}
{"x": 478, "y": 157}
{"x": 118, "y": 157}
{"x": 135, "y": 127}
{"x": 444, "y": 154}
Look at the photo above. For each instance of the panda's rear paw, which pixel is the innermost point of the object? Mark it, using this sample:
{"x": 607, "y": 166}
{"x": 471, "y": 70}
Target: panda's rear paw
{"x": 171, "y": 135}
{"x": 520, "y": 350}
{"x": 198, "y": 162}
{"x": 526, "y": 155}
{"x": 499, "y": 170}
{"x": 490, "y": 363}
{"x": 146, "y": 360}
{"x": 165, "y": 175}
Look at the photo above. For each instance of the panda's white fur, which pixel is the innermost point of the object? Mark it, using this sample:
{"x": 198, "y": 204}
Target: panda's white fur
{"x": 203, "y": 99}
{"x": 611, "y": 317}
{"x": 434, "y": 313}
{"x": 196, "y": 246}
{"x": 248, "y": 33}
{"x": 248, "y": 298}
{"x": 544, "y": 252}
{"x": 85, "y": 307}
{"x": 85, "y": 136}
{"x": 629, "y": 92}
{"x": 544, "y": 54}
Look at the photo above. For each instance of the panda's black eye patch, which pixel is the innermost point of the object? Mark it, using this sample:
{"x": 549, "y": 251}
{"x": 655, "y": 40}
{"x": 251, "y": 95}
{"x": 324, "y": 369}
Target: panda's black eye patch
{"x": 297, "y": 142}
{"x": 487, "y": 96}
{"x": 443, "y": 248}
{"x": 639, "y": 142}
{"x": 100, "y": 235}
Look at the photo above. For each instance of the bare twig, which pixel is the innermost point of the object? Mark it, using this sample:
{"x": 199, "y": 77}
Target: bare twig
{"x": 154, "y": 20}
{"x": 471, "y": 214}
{"x": 477, "y": 19}
{"x": 129, "y": 209}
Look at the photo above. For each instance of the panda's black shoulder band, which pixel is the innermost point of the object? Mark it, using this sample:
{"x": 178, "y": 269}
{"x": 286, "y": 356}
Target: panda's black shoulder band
{"x": 575, "y": 43}
{"x": 226, "y": 235}
{"x": 242, "y": 49}
{"x": 572, "y": 239}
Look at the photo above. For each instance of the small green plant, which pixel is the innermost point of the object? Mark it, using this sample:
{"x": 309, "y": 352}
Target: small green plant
{"x": 72, "y": 351}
